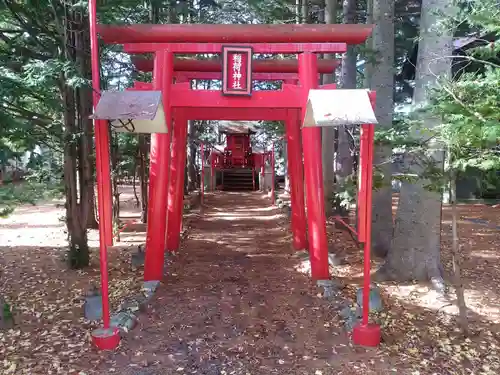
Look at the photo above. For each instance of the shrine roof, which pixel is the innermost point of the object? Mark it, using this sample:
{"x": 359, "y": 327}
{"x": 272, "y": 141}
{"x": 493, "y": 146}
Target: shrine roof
{"x": 237, "y": 127}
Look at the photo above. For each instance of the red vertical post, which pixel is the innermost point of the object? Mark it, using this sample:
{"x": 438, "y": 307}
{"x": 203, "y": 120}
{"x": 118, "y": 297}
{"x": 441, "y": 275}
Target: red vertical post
{"x": 367, "y": 334}
{"x": 101, "y": 145}
{"x": 361, "y": 206}
{"x": 263, "y": 171}
{"x": 296, "y": 176}
{"x": 104, "y": 197}
{"x": 158, "y": 180}
{"x": 180, "y": 183}
{"x": 106, "y": 338}
{"x": 362, "y": 177}
{"x": 107, "y": 214}
{"x": 176, "y": 187}
{"x": 313, "y": 171}
{"x": 202, "y": 177}
{"x": 212, "y": 161}
{"x": 368, "y": 221}
{"x": 253, "y": 177}
{"x": 273, "y": 181}
{"x": 364, "y": 333}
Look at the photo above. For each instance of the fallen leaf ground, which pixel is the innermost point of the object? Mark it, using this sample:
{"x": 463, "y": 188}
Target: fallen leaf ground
{"x": 233, "y": 302}
{"x": 419, "y": 325}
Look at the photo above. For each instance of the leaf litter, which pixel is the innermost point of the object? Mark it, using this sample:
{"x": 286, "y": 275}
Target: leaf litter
{"x": 241, "y": 309}
{"x": 419, "y": 325}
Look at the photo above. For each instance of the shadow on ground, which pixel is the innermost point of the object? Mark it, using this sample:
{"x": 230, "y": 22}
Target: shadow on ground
{"x": 232, "y": 303}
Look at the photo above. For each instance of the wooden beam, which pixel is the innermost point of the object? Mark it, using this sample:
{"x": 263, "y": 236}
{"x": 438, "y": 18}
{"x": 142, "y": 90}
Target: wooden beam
{"x": 235, "y": 33}
{"x": 259, "y": 48}
{"x": 182, "y": 96}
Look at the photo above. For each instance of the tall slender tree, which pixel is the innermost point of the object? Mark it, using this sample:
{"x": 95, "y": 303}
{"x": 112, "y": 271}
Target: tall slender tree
{"x": 328, "y": 133}
{"x": 415, "y": 250}
{"x": 382, "y": 81}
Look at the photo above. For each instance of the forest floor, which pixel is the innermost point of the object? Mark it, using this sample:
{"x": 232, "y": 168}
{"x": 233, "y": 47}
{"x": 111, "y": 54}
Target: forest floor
{"x": 234, "y": 302}
{"x": 420, "y": 325}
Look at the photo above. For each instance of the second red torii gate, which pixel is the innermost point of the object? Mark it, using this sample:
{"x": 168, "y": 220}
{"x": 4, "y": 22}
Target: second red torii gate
{"x": 284, "y": 105}
{"x": 208, "y": 105}
{"x": 287, "y": 102}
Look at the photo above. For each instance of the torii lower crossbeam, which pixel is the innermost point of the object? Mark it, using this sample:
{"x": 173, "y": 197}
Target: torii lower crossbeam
{"x": 234, "y": 113}
{"x": 183, "y": 96}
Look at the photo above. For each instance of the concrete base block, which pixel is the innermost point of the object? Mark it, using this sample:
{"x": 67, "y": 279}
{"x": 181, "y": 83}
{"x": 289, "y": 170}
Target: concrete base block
{"x": 92, "y": 308}
{"x": 375, "y": 304}
{"x": 330, "y": 288}
{"x": 302, "y": 254}
{"x": 138, "y": 258}
{"x": 124, "y": 321}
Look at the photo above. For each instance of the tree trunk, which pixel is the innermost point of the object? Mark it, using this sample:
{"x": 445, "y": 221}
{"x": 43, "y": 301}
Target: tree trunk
{"x": 284, "y": 148}
{"x": 92, "y": 218}
{"x": 142, "y": 140}
{"x": 343, "y": 162}
{"x": 305, "y": 11}
{"x": 298, "y": 11}
{"x": 456, "y": 259}
{"x": 368, "y": 69}
{"x": 154, "y": 11}
{"x": 134, "y": 181}
{"x": 191, "y": 157}
{"x": 143, "y": 176}
{"x": 87, "y": 161}
{"x": 114, "y": 180}
{"x": 114, "y": 183}
{"x": 328, "y": 133}
{"x": 78, "y": 254}
{"x": 185, "y": 190}
{"x": 85, "y": 169}
{"x": 382, "y": 81}
{"x": 76, "y": 157}
{"x": 349, "y": 71}
{"x": 416, "y": 245}
{"x": 171, "y": 11}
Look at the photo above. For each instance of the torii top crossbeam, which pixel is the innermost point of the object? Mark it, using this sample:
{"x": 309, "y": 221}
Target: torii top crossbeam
{"x": 147, "y": 33}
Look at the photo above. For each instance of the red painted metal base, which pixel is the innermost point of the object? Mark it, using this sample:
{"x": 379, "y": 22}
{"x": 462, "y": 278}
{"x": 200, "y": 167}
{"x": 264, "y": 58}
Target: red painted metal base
{"x": 367, "y": 335}
{"x": 106, "y": 338}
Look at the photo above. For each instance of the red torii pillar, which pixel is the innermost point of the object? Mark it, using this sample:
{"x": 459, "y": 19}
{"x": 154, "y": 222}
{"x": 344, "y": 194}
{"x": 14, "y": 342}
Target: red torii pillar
{"x": 176, "y": 186}
{"x": 313, "y": 170}
{"x": 158, "y": 174}
{"x": 107, "y": 337}
{"x": 296, "y": 175}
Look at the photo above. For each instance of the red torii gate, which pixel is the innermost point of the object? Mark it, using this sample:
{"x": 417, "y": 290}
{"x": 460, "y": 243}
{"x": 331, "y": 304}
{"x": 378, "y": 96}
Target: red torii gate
{"x": 181, "y": 104}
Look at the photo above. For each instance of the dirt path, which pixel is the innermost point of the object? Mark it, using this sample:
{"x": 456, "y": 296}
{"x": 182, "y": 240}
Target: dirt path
{"x": 234, "y": 304}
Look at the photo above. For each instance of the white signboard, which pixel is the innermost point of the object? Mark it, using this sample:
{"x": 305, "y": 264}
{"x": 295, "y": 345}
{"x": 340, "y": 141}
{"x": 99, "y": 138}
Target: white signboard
{"x": 339, "y": 108}
{"x": 133, "y": 111}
